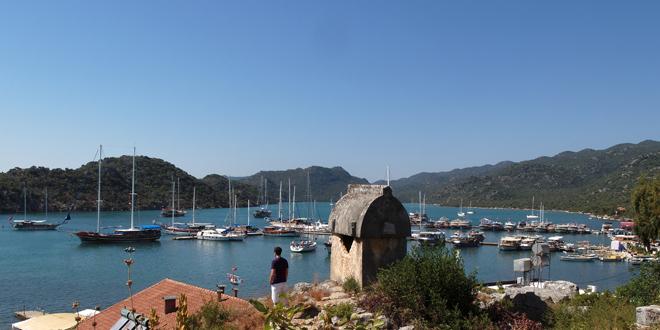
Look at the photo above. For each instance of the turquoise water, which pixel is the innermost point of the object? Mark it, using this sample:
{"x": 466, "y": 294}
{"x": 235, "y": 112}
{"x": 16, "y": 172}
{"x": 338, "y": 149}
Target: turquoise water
{"x": 50, "y": 270}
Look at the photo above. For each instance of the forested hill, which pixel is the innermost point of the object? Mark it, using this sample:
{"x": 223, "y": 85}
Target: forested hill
{"x": 326, "y": 183}
{"x": 587, "y": 180}
{"x": 76, "y": 188}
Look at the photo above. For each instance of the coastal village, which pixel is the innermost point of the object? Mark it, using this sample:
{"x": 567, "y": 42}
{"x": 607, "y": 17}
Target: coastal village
{"x": 329, "y": 165}
{"x": 368, "y": 230}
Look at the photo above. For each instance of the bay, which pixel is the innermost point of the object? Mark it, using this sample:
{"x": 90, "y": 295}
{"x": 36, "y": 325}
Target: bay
{"x": 51, "y": 270}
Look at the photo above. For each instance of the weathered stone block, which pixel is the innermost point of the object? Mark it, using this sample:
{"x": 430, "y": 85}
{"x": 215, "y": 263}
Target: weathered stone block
{"x": 648, "y": 316}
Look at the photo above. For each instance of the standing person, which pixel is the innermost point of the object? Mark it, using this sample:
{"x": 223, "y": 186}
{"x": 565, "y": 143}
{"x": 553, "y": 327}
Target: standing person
{"x": 279, "y": 271}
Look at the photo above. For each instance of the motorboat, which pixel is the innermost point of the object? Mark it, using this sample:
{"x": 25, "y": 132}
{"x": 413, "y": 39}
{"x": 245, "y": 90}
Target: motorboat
{"x": 460, "y": 224}
{"x": 302, "y": 246}
{"x": 579, "y": 257}
{"x": 222, "y": 234}
{"x": 509, "y": 226}
{"x": 509, "y": 243}
{"x": 429, "y": 237}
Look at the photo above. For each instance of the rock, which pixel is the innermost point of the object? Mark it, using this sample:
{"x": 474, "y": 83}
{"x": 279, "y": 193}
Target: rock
{"x": 301, "y": 287}
{"x": 334, "y": 320}
{"x": 327, "y": 285}
{"x": 408, "y": 327}
{"x": 648, "y": 316}
{"x": 552, "y": 291}
{"x": 337, "y": 295}
{"x": 365, "y": 317}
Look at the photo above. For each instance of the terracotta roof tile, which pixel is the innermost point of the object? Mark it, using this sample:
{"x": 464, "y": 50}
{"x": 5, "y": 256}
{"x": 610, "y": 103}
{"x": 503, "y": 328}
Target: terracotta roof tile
{"x": 152, "y": 297}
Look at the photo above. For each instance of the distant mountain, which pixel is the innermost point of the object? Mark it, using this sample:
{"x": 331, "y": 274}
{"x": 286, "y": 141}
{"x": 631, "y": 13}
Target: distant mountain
{"x": 76, "y": 188}
{"x": 407, "y": 188}
{"x": 326, "y": 183}
{"x": 588, "y": 180}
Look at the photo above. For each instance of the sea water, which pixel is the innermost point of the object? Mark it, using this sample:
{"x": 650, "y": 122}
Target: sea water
{"x": 50, "y": 270}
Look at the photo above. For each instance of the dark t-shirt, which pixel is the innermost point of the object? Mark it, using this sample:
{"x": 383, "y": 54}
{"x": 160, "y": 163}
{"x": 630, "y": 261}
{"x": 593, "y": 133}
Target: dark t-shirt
{"x": 280, "y": 265}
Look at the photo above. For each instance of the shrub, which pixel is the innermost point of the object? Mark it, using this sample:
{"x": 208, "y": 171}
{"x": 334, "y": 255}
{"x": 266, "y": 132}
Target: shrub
{"x": 593, "y": 311}
{"x": 644, "y": 289}
{"x": 429, "y": 285}
{"x": 351, "y": 286}
{"x": 278, "y": 316}
{"x": 343, "y": 311}
{"x": 211, "y": 316}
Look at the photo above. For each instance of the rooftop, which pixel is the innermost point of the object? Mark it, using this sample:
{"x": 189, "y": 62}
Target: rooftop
{"x": 152, "y": 297}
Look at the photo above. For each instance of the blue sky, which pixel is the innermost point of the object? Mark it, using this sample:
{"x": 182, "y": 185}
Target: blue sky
{"x": 236, "y": 87}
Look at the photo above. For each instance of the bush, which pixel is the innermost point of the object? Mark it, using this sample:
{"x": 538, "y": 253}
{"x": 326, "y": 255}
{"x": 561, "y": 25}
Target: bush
{"x": 351, "y": 286}
{"x": 429, "y": 286}
{"x": 343, "y": 311}
{"x": 644, "y": 289}
{"x": 593, "y": 311}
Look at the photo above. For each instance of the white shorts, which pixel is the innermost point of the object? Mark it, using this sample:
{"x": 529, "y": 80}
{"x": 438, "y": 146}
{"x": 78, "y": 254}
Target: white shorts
{"x": 277, "y": 290}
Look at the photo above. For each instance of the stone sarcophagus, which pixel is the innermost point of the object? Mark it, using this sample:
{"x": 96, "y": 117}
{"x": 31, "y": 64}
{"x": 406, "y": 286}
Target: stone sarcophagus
{"x": 369, "y": 228}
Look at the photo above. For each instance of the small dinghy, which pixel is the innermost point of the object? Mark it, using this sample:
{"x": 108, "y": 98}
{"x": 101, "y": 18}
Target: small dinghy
{"x": 302, "y": 246}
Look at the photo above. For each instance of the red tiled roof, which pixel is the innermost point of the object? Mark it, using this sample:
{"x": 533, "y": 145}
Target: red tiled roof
{"x": 152, "y": 297}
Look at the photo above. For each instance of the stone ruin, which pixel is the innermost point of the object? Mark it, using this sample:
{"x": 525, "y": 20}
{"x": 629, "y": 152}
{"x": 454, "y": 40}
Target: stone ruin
{"x": 369, "y": 229}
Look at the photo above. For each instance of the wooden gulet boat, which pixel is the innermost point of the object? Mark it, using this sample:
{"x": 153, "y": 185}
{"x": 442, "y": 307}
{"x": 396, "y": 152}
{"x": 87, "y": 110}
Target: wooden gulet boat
{"x": 147, "y": 233}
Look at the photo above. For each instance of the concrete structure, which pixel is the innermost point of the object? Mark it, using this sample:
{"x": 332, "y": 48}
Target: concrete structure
{"x": 369, "y": 230}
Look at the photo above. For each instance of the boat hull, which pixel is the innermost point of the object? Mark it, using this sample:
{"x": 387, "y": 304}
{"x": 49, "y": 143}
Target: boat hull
{"x": 121, "y": 237}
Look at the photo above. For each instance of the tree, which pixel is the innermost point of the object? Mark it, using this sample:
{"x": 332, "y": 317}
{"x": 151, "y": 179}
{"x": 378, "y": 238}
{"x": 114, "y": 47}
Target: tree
{"x": 646, "y": 204}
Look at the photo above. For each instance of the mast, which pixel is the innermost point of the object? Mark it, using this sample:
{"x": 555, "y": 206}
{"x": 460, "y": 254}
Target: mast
{"x": 266, "y": 192}
{"x": 420, "y": 210}
{"x": 279, "y": 204}
{"x": 194, "y": 192}
{"x": 388, "y": 175}
{"x": 235, "y": 204}
{"x": 229, "y": 192}
{"x": 293, "y": 205}
{"x": 288, "y": 201}
{"x": 24, "y": 201}
{"x": 532, "y": 205}
{"x": 172, "y": 201}
{"x": 248, "y": 213}
{"x": 178, "y": 193}
{"x": 98, "y": 193}
{"x": 46, "y": 203}
{"x": 309, "y": 197}
{"x": 133, "y": 189}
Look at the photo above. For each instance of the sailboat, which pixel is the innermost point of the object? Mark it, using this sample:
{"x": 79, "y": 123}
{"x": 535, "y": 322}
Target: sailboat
{"x": 532, "y": 216}
{"x": 187, "y": 228}
{"x": 263, "y": 212}
{"x": 229, "y": 233}
{"x": 31, "y": 225}
{"x": 146, "y": 233}
{"x": 247, "y": 229}
{"x": 172, "y": 211}
{"x": 460, "y": 213}
{"x": 470, "y": 211}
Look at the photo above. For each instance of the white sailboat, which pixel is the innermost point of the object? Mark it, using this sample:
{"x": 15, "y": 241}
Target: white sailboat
{"x": 470, "y": 211}
{"x": 460, "y": 213}
{"x": 532, "y": 216}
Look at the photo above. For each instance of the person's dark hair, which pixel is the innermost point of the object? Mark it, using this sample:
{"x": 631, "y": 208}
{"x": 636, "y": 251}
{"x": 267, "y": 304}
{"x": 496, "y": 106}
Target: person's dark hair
{"x": 278, "y": 250}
